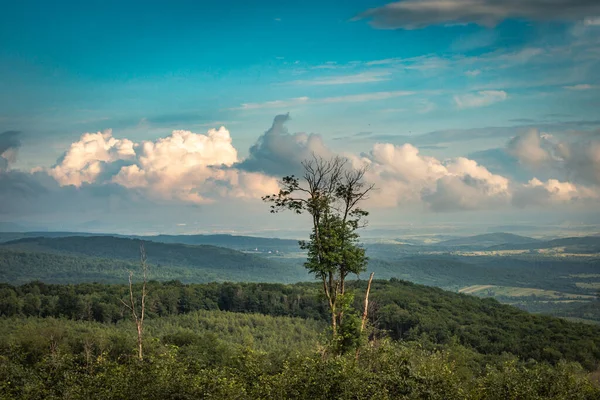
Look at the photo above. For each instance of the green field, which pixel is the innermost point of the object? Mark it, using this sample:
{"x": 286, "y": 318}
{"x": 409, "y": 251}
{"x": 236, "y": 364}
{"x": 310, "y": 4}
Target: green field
{"x": 588, "y": 285}
{"x": 511, "y": 291}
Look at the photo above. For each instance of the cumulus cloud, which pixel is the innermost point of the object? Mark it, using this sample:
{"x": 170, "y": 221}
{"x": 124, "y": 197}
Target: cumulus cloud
{"x": 399, "y": 172}
{"x": 9, "y": 145}
{"x": 530, "y": 148}
{"x": 467, "y": 186}
{"x": 415, "y": 14}
{"x": 551, "y": 192}
{"x": 85, "y": 160}
{"x": 402, "y": 175}
{"x": 480, "y": 99}
{"x": 578, "y": 160}
{"x": 278, "y": 152}
{"x": 184, "y": 166}
{"x": 192, "y": 168}
{"x": 581, "y": 160}
{"x": 102, "y": 172}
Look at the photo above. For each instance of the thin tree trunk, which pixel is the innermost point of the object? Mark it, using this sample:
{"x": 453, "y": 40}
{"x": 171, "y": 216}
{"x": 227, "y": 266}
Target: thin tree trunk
{"x": 366, "y": 309}
{"x": 138, "y": 319}
{"x": 365, "y": 312}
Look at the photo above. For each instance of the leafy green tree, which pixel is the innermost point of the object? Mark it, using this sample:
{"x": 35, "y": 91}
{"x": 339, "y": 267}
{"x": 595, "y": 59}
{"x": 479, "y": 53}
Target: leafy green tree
{"x": 330, "y": 191}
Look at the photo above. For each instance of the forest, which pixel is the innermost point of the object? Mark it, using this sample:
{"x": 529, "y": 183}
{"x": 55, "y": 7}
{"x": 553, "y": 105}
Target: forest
{"x": 246, "y": 341}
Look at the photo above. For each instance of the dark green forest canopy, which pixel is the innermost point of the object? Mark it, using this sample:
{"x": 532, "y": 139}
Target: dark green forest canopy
{"x": 404, "y": 310}
{"x": 224, "y": 355}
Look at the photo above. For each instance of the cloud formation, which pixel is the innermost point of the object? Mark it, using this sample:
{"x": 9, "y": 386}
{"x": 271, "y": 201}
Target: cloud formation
{"x": 480, "y": 99}
{"x": 107, "y": 174}
{"x": 530, "y": 148}
{"x": 415, "y": 14}
{"x": 551, "y": 192}
{"x": 85, "y": 160}
{"x": 405, "y": 176}
{"x": 184, "y": 166}
{"x": 578, "y": 160}
{"x": 9, "y": 145}
{"x": 192, "y": 168}
{"x": 278, "y": 152}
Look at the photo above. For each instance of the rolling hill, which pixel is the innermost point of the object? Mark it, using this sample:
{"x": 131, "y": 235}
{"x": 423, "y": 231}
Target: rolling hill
{"x": 584, "y": 244}
{"x": 487, "y": 240}
{"x": 99, "y": 258}
{"x": 236, "y": 242}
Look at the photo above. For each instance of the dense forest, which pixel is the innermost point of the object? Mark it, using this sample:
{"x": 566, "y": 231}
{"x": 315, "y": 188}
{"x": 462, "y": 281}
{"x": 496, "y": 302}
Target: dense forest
{"x": 248, "y": 341}
{"x": 401, "y": 309}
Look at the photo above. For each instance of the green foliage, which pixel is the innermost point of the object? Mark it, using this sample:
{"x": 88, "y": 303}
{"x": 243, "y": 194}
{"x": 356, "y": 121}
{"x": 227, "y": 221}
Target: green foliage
{"x": 82, "y": 366}
{"x": 402, "y": 310}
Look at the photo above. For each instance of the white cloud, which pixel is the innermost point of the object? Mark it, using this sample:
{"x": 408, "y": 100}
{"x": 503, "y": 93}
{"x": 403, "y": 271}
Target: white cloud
{"x": 480, "y": 99}
{"x": 579, "y": 160}
{"x": 530, "y": 148}
{"x": 592, "y": 21}
{"x": 300, "y": 101}
{"x": 403, "y": 176}
{"x": 190, "y": 167}
{"x": 468, "y": 186}
{"x": 86, "y": 159}
{"x": 415, "y": 14}
{"x": 551, "y": 192}
{"x": 473, "y": 72}
{"x": 363, "y": 77}
{"x": 399, "y": 172}
{"x": 184, "y": 166}
{"x": 582, "y": 86}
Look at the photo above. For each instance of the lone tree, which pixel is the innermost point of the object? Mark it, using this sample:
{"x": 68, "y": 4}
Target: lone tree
{"x": 330, "y": 191}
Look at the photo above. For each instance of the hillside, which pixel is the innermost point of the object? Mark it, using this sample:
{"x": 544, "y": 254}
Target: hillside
{"x": 487, "y": 240}
{"x": 402, "y": 309}
{"x": 10, "y": 236}
{"x": 585, "y": 244}
{"x": 103, "y": 258}
{"x": 229, "y": 241}
{"x": 221, "y": 240}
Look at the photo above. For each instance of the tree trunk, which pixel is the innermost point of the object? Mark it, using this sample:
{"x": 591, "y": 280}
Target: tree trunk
{"x": 365, "y": 312}
{"x": 140, "y": 337}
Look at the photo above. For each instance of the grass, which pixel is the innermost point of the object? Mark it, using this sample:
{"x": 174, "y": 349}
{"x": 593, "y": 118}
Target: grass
{"x": 510, "y": 291}
{"x": 588, "y": 285}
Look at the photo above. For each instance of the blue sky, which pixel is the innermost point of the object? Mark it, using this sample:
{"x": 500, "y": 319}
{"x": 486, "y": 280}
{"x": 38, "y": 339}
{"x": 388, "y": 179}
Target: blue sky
{"x": 462, "y": 81}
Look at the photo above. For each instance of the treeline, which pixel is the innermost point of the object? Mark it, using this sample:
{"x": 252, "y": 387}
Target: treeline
{"x": 21, "y": 264}
{"x": 221, "y": 355}
{"x": 399, "y": 309}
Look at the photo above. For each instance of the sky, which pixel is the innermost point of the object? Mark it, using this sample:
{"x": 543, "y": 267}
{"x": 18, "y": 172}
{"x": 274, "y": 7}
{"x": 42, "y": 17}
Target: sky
{"x": 176, "y": 117}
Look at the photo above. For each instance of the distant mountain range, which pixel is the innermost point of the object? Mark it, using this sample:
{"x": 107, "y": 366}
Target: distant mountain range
{"x": 222, "y": 240}
{"x": 488, "y": 241}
